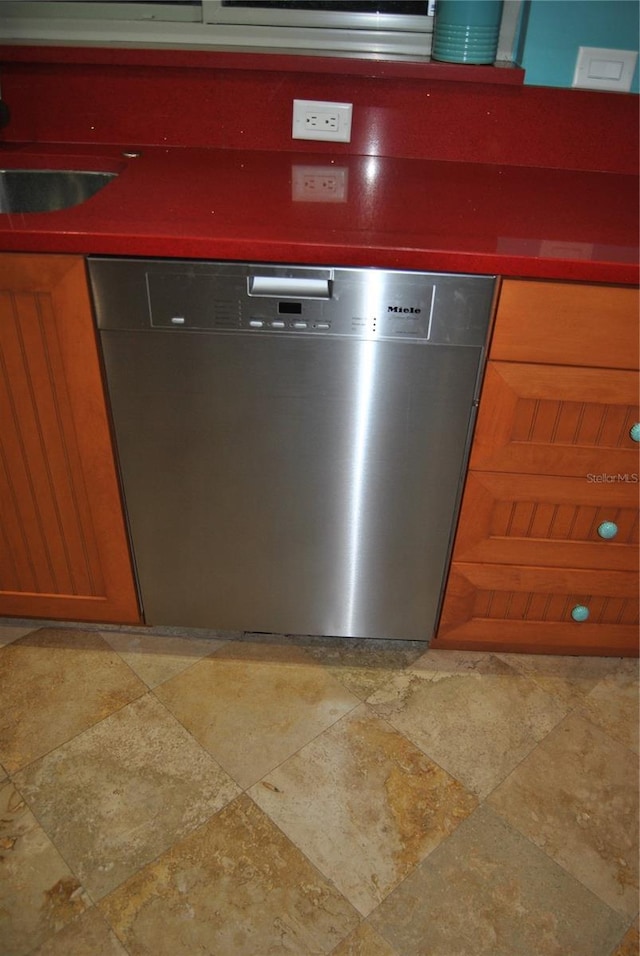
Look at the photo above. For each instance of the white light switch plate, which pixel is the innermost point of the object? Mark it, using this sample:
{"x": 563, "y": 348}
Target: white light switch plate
{"x": 603, "y": 69}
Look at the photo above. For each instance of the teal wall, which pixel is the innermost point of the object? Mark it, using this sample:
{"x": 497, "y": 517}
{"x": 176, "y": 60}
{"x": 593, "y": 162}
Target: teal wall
{"x": 552, "y": 30}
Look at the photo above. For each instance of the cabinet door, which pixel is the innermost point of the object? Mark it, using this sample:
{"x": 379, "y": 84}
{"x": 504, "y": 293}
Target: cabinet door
{"x": 63, "y": 546}
{"x": 548, "y": 521}
{"x": 508, "y": 608}
{"x": 548, "y": 420}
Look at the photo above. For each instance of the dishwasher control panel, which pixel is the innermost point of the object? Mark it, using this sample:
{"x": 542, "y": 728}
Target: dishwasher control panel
{"x": 191, "y": 296}
{"x": 330, "y": 302}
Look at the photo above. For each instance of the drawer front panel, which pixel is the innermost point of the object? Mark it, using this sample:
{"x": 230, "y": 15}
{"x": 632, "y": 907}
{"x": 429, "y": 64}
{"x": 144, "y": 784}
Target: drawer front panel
{"x": 567, "y": 324}
{"x": 529, "y": 609}
{"x": 544, "y": 420}
{"x": 548, "y": 521}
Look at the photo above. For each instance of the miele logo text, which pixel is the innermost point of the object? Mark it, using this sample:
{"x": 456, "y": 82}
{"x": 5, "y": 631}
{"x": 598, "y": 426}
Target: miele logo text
{"x": 399, "y": 309}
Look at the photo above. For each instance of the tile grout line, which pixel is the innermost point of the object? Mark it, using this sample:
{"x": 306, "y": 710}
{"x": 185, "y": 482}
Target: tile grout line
{"x": 513, "y": 826}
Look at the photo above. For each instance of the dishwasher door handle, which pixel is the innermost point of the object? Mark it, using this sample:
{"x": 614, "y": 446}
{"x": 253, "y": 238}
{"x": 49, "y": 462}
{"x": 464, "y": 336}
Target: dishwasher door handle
{"x": 296, "y": 287}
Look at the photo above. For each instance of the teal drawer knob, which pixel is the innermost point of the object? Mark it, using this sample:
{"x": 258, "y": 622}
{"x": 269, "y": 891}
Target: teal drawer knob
{"x": 580, "y": 613}
{"x": 634, "y": 431}
{"x": 608, "y": 529}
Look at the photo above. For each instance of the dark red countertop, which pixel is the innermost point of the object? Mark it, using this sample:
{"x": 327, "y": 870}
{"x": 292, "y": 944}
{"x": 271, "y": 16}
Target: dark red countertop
{"x": 397, "y": 212}
{"x": 447, "y": 170}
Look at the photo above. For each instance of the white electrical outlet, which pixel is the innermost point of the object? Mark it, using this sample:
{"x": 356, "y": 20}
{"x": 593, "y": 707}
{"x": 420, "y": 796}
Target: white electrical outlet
{"x": 317, "y": 119}
{"x": 319, "y": 183}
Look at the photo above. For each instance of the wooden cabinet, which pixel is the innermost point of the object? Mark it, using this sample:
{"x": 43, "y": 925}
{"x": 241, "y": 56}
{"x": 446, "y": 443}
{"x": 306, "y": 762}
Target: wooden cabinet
{"x": 63, "y": 545}
{"x": 548, "y": 528}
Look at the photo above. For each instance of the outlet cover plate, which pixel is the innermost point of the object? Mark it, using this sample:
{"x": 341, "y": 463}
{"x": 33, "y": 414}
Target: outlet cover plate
{"x": 604, "y": 69}
{"x": 322, "y": 120}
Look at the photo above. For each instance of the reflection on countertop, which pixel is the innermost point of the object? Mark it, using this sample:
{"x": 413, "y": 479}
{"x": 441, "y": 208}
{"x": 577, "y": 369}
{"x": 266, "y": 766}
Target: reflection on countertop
{"x": 346, "y": 210}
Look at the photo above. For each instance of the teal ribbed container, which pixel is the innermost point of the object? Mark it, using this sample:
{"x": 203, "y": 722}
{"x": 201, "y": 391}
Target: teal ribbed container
{"x": 466, "y": 31}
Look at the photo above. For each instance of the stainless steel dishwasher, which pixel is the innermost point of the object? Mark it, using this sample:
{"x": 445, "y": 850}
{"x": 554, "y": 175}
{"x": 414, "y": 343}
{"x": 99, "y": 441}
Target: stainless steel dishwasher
{"x": 291, "y": 440}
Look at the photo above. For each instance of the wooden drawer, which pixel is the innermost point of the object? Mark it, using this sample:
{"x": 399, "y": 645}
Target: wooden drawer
{"x": 547, "y": 521}
{"x": 541, "y": 419}
{"x": 567, "y": 324}
{"x": 529, "y": 609}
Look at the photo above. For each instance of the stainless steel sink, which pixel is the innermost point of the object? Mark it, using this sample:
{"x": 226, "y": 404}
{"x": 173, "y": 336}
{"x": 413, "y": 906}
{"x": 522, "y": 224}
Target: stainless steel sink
{"x": 47, "y": 190}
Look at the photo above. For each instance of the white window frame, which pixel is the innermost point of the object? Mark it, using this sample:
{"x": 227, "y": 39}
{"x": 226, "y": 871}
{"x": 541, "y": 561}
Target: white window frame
{"x": 400, "y": 34}
{"x": 211, "y": 26}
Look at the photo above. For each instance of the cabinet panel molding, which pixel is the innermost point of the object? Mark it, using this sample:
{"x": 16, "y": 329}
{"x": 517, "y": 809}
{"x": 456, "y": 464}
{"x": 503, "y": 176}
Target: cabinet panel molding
{"x": 64, "y": 551}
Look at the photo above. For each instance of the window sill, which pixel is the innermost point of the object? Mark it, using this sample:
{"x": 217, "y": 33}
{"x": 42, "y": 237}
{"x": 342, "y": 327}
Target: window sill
{"x": 502, "y": 73}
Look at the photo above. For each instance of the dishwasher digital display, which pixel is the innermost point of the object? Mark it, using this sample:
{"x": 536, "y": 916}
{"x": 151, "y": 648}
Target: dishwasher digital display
{"x": 290, "y": 308}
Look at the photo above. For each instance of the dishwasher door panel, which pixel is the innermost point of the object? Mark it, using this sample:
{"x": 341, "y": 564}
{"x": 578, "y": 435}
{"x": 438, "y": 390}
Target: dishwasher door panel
{"x": 290, "y": 484}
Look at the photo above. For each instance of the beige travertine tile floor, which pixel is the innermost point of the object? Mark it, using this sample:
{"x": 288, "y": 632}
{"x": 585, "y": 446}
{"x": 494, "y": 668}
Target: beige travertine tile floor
{"x": 205, "y": 794}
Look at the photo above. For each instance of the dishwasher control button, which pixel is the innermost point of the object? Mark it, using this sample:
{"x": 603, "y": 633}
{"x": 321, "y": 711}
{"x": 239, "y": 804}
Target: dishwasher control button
{"x": 300, "y": 325}
{"x": 177, "y": 320}
{"x": 323, "y": 325}
{"x": 256, "y": 323}
{"x": 277, "y": 325}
